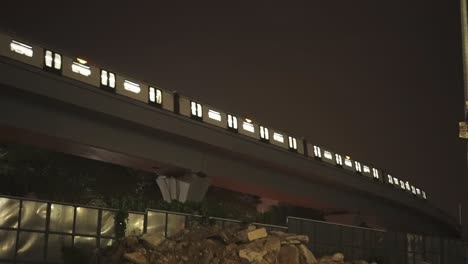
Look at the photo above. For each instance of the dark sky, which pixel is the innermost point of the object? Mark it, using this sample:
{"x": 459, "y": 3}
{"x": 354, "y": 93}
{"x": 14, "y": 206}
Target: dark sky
{"x": 380, "y": 81}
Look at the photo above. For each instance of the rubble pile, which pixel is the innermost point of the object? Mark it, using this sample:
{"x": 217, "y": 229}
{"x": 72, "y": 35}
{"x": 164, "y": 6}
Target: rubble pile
{"x": 216, "y": 245}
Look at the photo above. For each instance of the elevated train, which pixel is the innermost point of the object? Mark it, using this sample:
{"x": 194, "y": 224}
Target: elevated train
{"x": 80, "y": 70}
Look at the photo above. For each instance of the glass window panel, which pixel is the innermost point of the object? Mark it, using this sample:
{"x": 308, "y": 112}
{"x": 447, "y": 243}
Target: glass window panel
{"x": 9, "y": 211}
{"x": 55, "y": 244}
{"x": 107, "y": 224}
{"x": 135, "y": 224}
{"x": 317, "y": 152}
{"x": 7, "y": 244}
{"x": 175, "y": 224}
{"x": 48, "y": 58}
{"x": 152, "y": 94}
{"x": 278, "y": 137}
{"x": 85, "y": 242}
{"x": 348, "y": 163}
{"x": 61, "y": 218}
{"x": 30, "y": 246}
{"x": 214, "y": 115}
{"x": 21, "y": 48}
{"x": 86, "y": 221}
{"x": 339, "y": 159}
{"x": 104, "y": 78}
{"x": 199, "y": 110}
{"x": 132, "y": 87}
{"x": 193, "y": 107}
{"x": 158, "y": 96}
{"x": 58, "y": 61}
{"x": 248, "y": 127}
{"x": 33, "y": 215}
{"x": 81, "y": 69}
{"x": 111, "y": 80}
{"x": 328, "y": 155}
{"x": 156, "y": 222}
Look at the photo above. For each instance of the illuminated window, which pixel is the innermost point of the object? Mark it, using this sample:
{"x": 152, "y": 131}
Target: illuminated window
{"x": 53, "y": 60}
{"x": 21, "y": 48}
{"x": 196, "y": 109}
{"x": 402, "y": 185}
{"x": 264, "y": 133}
{"x": 375, "y": 172}
{"x": 132, "y": 87}
{"x": 328, "y": 155}
{"x": 418, "y": 191}
{"x": 358, "y": 166}
{"x": 339, "y": 159}
{"x": 292, "y": 143}
{"x": 413, "y": 190}
{"x": 232, "y": 122}
{"x": 214, "y": 115}
{"x": 390, "y": 179}
{"x": 396, "y": 181}
{"x": 80, "y": 67}
{"x": 247, "y": 126}
{"x": 348, "y": 162}
{"x": 407, "y": 185}
{"x": 317, "y": 152}
{"x": 107, "y": 79}
{"x": 278, "y": 137}
{"x": 155, "y": 95}
{"x": 424, "y": 195}
{"x": 366, "y": 169}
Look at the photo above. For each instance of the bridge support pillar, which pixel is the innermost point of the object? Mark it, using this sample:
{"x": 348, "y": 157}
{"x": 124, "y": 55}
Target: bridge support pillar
{"x": 189, "y": 187}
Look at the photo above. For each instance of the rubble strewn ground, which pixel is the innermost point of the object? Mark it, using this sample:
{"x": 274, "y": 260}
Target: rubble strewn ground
{"x": 215, "y": 245}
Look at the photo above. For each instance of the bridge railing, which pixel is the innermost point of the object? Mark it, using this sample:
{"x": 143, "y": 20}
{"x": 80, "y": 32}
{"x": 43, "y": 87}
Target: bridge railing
{"x": 35, "y": 230}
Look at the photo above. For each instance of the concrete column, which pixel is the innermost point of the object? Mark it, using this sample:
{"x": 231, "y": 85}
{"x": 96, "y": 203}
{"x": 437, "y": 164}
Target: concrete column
{"x": 189, "y": 187}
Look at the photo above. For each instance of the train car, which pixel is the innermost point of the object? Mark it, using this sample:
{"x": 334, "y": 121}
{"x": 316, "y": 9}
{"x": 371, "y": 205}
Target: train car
{"x": 22, "y": 51}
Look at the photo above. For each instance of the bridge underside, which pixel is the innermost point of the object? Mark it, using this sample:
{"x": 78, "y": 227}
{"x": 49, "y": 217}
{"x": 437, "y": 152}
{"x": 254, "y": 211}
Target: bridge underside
{"x": 51, "y": 112}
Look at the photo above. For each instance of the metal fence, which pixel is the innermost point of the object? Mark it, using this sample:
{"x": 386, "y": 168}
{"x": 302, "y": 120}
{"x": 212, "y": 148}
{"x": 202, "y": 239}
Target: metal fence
{"x": 380, "y": 245}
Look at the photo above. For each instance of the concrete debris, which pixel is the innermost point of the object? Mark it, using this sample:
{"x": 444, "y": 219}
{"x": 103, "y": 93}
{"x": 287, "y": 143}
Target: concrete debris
{"x": 202, "y": 244}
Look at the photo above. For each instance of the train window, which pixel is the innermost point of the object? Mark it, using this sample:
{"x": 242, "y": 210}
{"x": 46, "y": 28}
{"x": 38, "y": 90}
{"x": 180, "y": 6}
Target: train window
{"x": 132, "y": 87}
{"x": 107, "y": 79}
{"x": 358, "y": 166}
{"x": 375, "y": 172}
{"x": 278, "y": 137}
{"x": 79, "y": 66}
{"x": 232, "y": 122}
{"x": 21, "y": 48}
{"x": 413, "y": 190}
{"x": 214, "y": 115}
{"x": 366, "y": 169}
{"x": 348, "y": 162}
{"x": 395, "y": 181}
{"x": 264, "y": 133}
{"x": 339, "y": 159}
{"x": 327, "y": 155}
{"x": 155, "y": 95}
{"x": 292, "y": 143}
{"x": 424, "y": 195}
{"x": 196, "y": 109}
{"x": 402, "y": 185}
{"x": 53, "y": 60}
{"x": 407, "y": 185}
{"x": 418, "y": 191}
{"x": 317, "y": 152}
{"x": 390, "y": 179}
{"x": 247, "y": 126}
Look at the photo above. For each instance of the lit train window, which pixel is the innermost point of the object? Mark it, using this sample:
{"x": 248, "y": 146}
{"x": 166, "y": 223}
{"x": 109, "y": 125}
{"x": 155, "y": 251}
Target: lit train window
{"x": 196, "y": 109}
{"x": 155, "y": 95}
{"x": 132, "y": 87}
{"x": 358, "y": 166}
{"x": 292, "y": 143}
{"x": 79, "y": 66}
{"x": 366, "y": 169}
{"x": 375, "y": 172}
{"x": 402, "y": 185}
{"x": 317, "y": 152}
{"x": 247, "y": 126}
{"x": 348, "y": 162}
{"x": 214, "y": 115}
{"x": 424, "y": 195}
{"x": 107, "y": 79}
{"x": 396, "y": 181}
{"x": 232, "y": 122}
{"x": 327, "y": 155}
{"x": 53, "y": 60}
{"x": 418, "y": 191}
{"x": 413, "y": 190}
{"x": 21, "y": 48}
{"x": 278, "y": 137}
{"x": 264, "y": 133}
{"x": 407, "y": 185}
{"x": 339, "y": 159}
{"x": 390, "y": 179}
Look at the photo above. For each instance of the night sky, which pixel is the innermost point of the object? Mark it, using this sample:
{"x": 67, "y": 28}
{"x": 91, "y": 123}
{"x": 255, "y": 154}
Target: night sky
{"x": 380, "y": 81}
